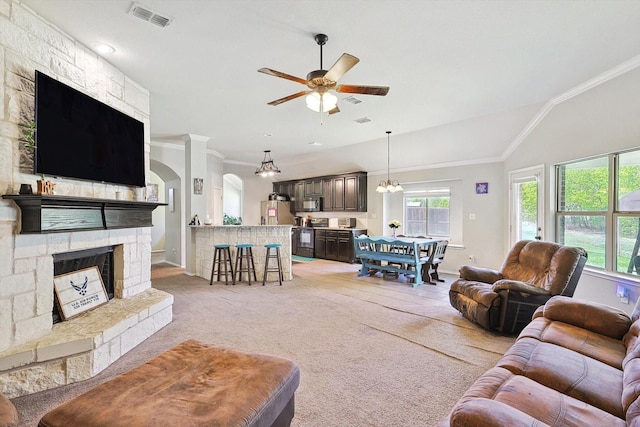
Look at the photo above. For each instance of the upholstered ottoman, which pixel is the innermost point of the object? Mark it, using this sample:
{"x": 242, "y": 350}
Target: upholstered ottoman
{"x": 192, "y": 384}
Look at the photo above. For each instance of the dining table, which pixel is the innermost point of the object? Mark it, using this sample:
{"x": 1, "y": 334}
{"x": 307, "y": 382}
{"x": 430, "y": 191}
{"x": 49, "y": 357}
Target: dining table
{"x": 400, "y": 245}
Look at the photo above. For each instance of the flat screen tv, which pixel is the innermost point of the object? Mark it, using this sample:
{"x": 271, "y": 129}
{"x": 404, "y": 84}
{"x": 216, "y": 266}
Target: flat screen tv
{"x": 80, "y": 137}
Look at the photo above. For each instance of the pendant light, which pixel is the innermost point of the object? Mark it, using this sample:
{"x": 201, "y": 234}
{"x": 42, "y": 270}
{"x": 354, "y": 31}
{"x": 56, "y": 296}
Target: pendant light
{"x": 267, "y": 168}
{"x": 388, "y": 186}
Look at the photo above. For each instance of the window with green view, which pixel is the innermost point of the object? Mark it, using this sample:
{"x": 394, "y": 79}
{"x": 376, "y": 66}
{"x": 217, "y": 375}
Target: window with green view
{"x": 594, "y": 216}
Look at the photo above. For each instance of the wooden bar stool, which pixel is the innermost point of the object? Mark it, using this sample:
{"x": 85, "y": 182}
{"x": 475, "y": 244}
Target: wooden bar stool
{"x": 222, "y": 255}
{"x": 244, "y": 251}
{"x": 269, "y": 256}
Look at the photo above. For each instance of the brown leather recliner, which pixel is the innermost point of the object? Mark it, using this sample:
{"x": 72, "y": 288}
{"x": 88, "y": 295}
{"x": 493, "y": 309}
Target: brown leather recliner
{"x": 505, "y": 300}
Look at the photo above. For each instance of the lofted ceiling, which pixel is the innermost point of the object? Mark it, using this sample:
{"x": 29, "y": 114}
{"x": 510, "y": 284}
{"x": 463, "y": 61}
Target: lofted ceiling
{"x": 469, "y": 74}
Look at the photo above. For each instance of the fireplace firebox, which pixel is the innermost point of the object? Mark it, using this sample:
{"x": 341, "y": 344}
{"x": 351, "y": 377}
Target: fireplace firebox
{"x": 68, "y": 262}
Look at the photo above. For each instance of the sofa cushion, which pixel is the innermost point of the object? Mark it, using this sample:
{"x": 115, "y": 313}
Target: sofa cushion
{"x": 599, "y": 318}
{"x": 568, "y": 372}
{"x": 600, "y": 347}
{"x": 477, "y": 291}
{"x": 542, "y": 264}
{"x": 501, "y": 398}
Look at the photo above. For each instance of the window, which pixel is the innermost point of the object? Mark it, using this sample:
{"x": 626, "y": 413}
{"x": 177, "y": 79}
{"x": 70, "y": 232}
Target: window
{"x": 426, "y": 213}
{"x": 598, "y": 209}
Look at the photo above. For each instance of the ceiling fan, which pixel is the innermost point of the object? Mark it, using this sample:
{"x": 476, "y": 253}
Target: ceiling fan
{"x": 321, "y": 82}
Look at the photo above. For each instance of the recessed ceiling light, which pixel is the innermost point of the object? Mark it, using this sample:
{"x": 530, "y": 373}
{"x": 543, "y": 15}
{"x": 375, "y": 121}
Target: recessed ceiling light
{"x": 103, "y": 48}
{"x": 362, "y": 120}
{"x": 266, "y": 134}
{"x": 315, "y": 143}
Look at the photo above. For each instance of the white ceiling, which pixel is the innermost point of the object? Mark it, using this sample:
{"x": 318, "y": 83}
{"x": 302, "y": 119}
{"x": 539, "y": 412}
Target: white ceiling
{"x": 471, "y": 74}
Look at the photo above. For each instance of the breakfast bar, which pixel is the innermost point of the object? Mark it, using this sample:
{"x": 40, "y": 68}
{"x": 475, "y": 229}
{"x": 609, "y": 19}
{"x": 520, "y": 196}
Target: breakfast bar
{"x": 203, "y": 239}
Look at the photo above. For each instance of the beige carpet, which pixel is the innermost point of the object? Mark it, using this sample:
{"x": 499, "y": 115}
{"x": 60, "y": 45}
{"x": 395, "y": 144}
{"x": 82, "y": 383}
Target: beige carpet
{"x": 372, "y": 351}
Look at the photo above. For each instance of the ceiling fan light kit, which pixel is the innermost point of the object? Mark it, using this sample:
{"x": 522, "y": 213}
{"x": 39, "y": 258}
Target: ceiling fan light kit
{"x": 388, "y": 186}
{"x": 321, "y": 82}
{"x": 267, "y": 168}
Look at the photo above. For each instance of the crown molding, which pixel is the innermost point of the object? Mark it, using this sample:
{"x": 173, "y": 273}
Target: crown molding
{"x": 610, "y": 74}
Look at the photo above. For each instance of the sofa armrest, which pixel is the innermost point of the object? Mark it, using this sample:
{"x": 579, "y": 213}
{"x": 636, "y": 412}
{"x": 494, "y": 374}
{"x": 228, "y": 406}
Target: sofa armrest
{"x": 8, "y": 412}
{"x": 518, "y": 286}
{"x": 477, "y": 274}
{"x": 486, "y": 412}
{"x": 595, "y": 317}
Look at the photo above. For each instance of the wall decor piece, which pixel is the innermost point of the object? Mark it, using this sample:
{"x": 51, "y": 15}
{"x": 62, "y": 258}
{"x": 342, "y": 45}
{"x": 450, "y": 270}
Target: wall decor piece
{"x": 79, "y": 291}
{"x": 198, "y": 184}
{"x": 152, "y": 192}
{"x": 172, "y": 206}
{"x": 482, "y": 188}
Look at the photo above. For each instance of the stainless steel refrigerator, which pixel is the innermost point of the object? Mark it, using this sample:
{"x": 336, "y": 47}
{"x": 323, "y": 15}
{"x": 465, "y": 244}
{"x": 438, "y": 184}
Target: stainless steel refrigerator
{"x": 273, "y": 212}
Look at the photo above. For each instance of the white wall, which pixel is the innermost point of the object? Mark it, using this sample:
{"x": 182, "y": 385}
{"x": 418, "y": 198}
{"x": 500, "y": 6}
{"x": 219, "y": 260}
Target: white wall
{"x": 482, "y": 237}
{"x": 602, "y": 120}
{"x": 158, "y": 215}
{"x": 255, "y": 190}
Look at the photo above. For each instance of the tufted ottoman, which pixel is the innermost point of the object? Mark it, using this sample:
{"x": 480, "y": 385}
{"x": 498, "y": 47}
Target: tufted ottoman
{"x": 192, "y": 384}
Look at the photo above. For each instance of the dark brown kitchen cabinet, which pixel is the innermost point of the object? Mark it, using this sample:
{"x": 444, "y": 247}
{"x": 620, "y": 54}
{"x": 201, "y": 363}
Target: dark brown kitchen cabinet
{"x": 338, "y": 194}
{"x": 355, "y": 193}
{"x": 299, "y": 196}
{"x": 337, "y": 245}
{"x": 331, "y": 245}
{"x": 327, "y": 194}
{"x": 313, "y": 188}
{"x": 346, "y": 251}
{"x": 320, "y": 244}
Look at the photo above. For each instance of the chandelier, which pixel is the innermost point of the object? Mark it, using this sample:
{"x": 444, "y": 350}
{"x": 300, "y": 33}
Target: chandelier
{"x": 267, "y": 168}
{"x": 388, "y": 186}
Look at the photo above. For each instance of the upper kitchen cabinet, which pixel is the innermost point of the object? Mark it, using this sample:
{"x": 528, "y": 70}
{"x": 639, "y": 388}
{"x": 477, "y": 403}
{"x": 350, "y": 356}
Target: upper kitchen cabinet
{"x": 355, "y": 193}
{"x": 299, "y": 196}
{"x": 340, "y": 193}
{"x": 313, "y": 187}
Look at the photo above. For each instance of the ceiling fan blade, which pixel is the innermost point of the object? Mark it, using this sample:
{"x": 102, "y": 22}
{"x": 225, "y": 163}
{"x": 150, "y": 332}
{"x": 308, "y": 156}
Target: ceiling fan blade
{"x": 365, "y": 90}
{"x": 342, "y": 65}
{"x": 333, "y": 110}
{"x": 282, "y": 75}
{"x": 289, "y": 98}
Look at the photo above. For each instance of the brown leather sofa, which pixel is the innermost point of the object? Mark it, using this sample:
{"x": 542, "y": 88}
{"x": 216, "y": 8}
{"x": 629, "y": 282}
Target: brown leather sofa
{"x": 8, "y": 412}
{"x": 505, "y": 300}
{"x": 576, "y": 364}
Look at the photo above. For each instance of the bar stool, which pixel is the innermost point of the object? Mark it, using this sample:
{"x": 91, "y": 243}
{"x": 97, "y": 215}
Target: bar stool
{"x": 244, "y": 251}
{"x": 269, "y": 256}
{"x": 222, "y": 255}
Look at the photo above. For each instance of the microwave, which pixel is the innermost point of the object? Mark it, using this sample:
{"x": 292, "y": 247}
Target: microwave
{"x": 312, "y": 204}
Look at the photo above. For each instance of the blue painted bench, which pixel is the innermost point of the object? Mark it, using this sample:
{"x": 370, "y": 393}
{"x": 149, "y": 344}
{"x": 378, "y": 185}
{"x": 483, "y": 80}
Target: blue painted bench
{"x": 388, "y": 254}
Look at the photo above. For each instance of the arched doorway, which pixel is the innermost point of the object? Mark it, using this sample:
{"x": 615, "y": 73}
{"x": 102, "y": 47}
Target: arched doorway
{"x": 232, "y": 195}
{"x": 168, "y": 233}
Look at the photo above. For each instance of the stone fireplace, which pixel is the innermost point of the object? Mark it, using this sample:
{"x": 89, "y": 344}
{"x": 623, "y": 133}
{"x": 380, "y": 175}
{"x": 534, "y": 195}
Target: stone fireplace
{"x": 68, "y": 262}
{"x": 37, "y": 354}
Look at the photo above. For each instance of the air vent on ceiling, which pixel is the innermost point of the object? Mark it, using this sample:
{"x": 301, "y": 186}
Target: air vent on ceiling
{"x": 362, "y": 120}
{"x": 148, "y": 15}
{"x": 353, "y": 100}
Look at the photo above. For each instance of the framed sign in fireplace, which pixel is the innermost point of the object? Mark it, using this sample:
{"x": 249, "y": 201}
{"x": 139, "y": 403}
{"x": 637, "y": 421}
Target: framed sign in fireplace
{"x": 54, "y": 213}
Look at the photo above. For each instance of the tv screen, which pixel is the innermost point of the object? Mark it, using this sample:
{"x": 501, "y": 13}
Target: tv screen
{"x": 79, "y": 137}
